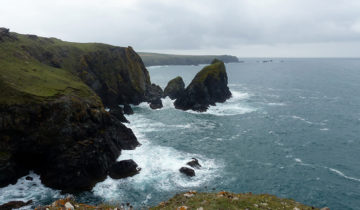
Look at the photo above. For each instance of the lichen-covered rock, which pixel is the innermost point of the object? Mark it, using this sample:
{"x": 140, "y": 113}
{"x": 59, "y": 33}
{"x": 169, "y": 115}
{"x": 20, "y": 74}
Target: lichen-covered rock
{"x": 207, "y": 88}
{"x": 123, "y": 169}
{"x": 175, "y": 88}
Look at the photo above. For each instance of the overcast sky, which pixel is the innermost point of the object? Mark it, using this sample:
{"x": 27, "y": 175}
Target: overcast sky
{"x": 246, "y": 28}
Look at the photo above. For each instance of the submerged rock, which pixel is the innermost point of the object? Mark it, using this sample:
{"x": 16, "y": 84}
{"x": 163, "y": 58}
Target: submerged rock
{"x": 175, "y": 88}
{"x": 187, "y": 171}
{"x": 194, "y": 163}
{"x": 14, "y": 205}
{"x": 123, "y": 169}
{"x": 207, "y": 88}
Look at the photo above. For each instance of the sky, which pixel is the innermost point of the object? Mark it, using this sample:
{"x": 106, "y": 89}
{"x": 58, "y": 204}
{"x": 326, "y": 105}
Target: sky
{"x": 245, "y": 28}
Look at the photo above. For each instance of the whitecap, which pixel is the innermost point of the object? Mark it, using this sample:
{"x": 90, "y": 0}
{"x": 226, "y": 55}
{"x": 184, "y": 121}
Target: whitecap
{"x": 160, "y": 167}
{"x": 324, "y": 129}
{"x": 276, "y": 104}
{"x": 302, "y": 119}
{"x": 343, "y": 175}
{"x": 25, "y": 190}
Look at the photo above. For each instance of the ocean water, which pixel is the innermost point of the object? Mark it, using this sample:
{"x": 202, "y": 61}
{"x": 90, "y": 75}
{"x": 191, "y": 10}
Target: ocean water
{"x": 292, "y": 128}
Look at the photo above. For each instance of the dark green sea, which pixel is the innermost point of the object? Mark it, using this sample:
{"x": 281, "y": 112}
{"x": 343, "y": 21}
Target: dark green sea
{"x": 292, "y": 129}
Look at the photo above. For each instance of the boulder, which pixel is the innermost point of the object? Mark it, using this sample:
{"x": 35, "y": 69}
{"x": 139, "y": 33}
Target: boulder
{"x": 194, "y": 163}
{"x": 123, "y": 169}
{"x": 187, "y": 171}
{"x": 14, "y": 205}
{"x": 207, "y": 88}
{"x": 128, "y": 110}
{"x": 29, "y": 178}
{"x": 175, "y": 88}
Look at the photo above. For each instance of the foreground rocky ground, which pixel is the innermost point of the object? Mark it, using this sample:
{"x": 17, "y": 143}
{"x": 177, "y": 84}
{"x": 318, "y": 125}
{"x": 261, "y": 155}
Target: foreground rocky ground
{"x": 199, "y": 201}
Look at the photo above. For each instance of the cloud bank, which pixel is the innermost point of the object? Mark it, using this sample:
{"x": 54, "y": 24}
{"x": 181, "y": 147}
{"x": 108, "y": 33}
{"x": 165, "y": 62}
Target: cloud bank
{"x": 285, "y": 28}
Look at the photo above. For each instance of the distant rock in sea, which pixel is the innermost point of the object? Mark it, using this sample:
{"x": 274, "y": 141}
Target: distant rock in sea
{"x": 175, "y": 88}
{"x": 207, "y": 88}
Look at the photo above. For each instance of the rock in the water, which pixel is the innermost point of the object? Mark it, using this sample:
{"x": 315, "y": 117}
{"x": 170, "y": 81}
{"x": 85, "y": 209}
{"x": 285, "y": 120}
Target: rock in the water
{"x": 14, "y": 205}
{"x": 118, "y": 113}
{"x": 29, "y": 178}
{"x": 153, "y": 96}
{"x": 128, "y": 110}
{"x": 123, "y": 169}
{"x": 187, "y": 171}
{"x": 194, "y": 163}
{"x": 207, "y": 88}
{"x": 175, "y": 88}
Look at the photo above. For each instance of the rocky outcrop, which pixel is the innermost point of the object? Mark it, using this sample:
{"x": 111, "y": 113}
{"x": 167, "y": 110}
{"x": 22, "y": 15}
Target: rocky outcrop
{"x": 175, "y": 88}
{"x": 207, "y": 88}
{"x": 123, "y": 169}
{"x": 70, "y": 142}
{"x": 194, "y": 163}
{"x": 187, "y": 171}
{"x": 153, "y": 96}
{"x": 15, "y": 205}
{"x": 118, "y": 113}
{"x": 128, "y": 110}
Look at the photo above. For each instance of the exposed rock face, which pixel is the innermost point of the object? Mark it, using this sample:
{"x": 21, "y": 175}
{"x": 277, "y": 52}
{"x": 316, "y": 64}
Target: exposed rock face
{"x": 187, "y": 171}
{"x": 128, "y": 110}
{"x": 194, "y": 163}
{"x": 14, "y": 205}
{"x": 207, "y": 88}
{"x": 71, "y": 143}
{"x": 5, "y": 35}
{"x": 123, "y": 169}
{"x": 153, "y": 96}
{"x": 175, "y": 88}
{"x": 118, "y": 113}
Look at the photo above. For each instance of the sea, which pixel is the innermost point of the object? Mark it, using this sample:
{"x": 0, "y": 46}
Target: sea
{"x": 291, "y": 128}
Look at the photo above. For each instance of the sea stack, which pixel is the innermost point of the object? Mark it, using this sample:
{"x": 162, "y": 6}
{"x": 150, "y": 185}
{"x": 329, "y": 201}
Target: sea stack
{"x": 175, "y": 88}
{"x": 207, "y": 88}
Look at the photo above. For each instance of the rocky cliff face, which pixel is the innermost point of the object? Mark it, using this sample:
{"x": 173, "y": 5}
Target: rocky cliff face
{"x": 51, "y": 121}
{"x": 207, "y": 88}
{"x": 116, "y": 74}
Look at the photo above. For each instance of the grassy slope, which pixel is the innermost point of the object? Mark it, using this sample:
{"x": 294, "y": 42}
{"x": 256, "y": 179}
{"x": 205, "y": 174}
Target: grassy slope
{"x": 24, "y": 79}
{"x": 156, "y": 59}
{"x": 225, "y": 200}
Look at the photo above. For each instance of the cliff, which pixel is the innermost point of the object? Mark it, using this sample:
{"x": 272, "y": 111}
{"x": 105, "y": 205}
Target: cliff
{"x": 208, "y": 87}
{"x": 51, "y": 121}
{"x": 157, "y": 59}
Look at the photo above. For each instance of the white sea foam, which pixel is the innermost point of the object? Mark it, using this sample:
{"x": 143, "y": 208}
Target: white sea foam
{"x": 276, "y": 104}
{"x": 343, "y": 175}
{"x": 25, "y": 190}
{"x": 160, "y": 166}
{"x": 324, "y": 129}
{"x": 302, "y": 119}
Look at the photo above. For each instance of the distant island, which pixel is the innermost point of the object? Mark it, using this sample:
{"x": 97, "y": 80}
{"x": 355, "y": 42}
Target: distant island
{"x": 157, "y": 59}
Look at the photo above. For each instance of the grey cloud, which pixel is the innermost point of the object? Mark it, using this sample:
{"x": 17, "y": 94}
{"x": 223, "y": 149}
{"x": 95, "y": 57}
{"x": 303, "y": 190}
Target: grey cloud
{"x": 192, "y": 25}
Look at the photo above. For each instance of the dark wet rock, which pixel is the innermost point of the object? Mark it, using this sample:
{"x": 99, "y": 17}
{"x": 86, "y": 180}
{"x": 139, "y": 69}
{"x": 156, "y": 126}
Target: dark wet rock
{"x": 207, "y": 88}
{"x": 123, "y": 169}
{"x": 153, "y": 96}
{"x": 29, "y": 178}
{"x": 15, "y": 205}
{"x": 194, "y": 163}
{"x": 175, "y": 88}
{"x": 72, "y": 142}
{"x": 118, "y": 113}
{"x": 187, "y": 171}
{"x": 128, "y": 110}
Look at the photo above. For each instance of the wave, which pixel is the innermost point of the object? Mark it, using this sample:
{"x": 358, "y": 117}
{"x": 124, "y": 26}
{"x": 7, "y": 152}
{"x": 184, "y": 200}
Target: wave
{"x": 160, "y": 166}
{"x": 25, "y": 190}
{"x": 343, "y": 175}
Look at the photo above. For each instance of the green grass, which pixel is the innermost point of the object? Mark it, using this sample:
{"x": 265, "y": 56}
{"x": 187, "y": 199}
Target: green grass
{"x": 24, "y": 79}
{"x": 214, "y": 70}
{"x": 225, "y": 200}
